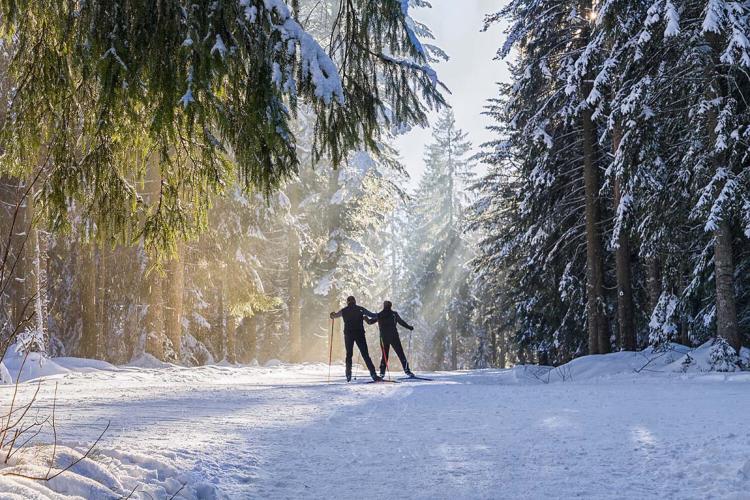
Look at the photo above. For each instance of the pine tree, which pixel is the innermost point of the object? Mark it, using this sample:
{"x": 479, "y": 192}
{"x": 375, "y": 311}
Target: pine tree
{"x": 547, "y": 142}
{"x": 705, "y": 39}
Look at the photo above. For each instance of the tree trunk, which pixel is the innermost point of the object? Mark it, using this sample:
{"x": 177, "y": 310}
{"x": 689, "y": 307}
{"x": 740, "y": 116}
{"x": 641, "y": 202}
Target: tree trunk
{"x": 220, "y": 324}
{"x": 39, "y": 288}
{"x": 89, "y": 330}
{"x": 439, "y": 350}
{"x": 684, "y": 337}
{"x": 21, "y": 308}
{"x": 295, "y": 285}
{"x": 102, "y": 302}
{"x": 34, "y": 276}
{"x": 726, "y": 310}
{"x": 153, "y": 280}
{"x": 295, "y": 298}
{"x": 625, "y": 320}
{"x": 229, "y": 325}
{"x": 493, "y": 347}
{"x": 596, "y": 322}
{"x": 653, "y": 282}
{"x": 454, "y": 350}
{"x": 154, "y": 316}
{"x": 503, "y": 351}
{"x": 250, "y": 340}
{"x": 231, "y": 338}
{"x": 174, "y": 290}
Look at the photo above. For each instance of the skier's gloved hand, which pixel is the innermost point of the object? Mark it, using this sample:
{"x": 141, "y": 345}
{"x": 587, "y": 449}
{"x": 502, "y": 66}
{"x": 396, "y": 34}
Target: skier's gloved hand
{"x": 411, "y": 328}
{"x": 332, "y": 315}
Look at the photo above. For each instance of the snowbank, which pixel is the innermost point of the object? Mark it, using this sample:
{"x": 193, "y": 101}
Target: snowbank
{"x": 94, "y": 478}
{"x": 673, "y": 359}
{"x": 146, "y": 360}
{"x": 35, "y": 365}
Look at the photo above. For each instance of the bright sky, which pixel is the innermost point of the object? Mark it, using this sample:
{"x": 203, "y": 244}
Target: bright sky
{"x": 470, "y": 74}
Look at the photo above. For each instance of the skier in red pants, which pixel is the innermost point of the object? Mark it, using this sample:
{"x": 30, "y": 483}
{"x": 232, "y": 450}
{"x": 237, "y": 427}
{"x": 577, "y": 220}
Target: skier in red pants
{"x": 387, "y": 321}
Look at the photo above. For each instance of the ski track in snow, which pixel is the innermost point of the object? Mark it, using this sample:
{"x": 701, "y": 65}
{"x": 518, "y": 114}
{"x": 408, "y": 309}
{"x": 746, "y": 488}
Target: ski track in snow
{"x": 283, "y": 432}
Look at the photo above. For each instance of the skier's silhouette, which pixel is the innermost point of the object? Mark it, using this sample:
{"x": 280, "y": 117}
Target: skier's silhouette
{"x": 387, "y": 319}
{"x": 354, "y": 332}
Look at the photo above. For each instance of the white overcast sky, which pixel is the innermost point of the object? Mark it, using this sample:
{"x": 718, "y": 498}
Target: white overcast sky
{"x": 470, "y": 74}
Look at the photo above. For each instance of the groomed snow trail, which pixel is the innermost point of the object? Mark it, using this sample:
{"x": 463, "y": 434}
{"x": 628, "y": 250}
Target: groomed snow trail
{"x": 283, "y": 432}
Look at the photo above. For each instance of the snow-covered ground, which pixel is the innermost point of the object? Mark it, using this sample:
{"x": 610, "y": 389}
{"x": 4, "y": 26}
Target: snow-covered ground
{"x": 593, "y": 429}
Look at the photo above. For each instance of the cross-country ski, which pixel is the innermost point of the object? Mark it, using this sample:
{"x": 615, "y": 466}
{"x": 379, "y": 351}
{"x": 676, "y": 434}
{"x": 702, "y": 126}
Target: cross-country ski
{"x": 414, "y": 378}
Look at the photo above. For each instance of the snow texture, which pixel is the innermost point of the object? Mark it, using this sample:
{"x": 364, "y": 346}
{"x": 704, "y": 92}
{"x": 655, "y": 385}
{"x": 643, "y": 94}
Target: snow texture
{"x": 622, "y": 425}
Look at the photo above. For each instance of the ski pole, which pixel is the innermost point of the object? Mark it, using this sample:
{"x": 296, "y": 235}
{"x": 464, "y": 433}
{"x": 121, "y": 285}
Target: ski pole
{"x": 330, "y": 351}
{"x": 409, "y": 345}
{"x": 356, "y": 368}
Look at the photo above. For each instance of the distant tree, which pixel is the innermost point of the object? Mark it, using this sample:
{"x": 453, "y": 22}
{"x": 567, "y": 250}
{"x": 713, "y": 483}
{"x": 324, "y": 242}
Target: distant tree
{"x": 437, "y": 251}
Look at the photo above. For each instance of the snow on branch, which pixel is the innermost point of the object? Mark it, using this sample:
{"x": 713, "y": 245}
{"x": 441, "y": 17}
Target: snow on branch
{"x": 315, "y": 63}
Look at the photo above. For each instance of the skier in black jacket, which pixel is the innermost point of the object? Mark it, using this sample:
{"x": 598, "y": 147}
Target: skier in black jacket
{"x": 387, "y": 320}
{"x": 354, "y": 331}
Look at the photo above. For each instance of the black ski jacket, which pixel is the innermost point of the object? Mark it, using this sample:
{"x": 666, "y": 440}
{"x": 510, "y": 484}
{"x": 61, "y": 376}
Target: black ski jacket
{"x": 353, "y": 318}
{"x": 387, "y": 321}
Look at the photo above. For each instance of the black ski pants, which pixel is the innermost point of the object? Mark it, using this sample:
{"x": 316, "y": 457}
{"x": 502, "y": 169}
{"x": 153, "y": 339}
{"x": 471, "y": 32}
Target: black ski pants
{"x": 358, "y": 337}
{"x": 386, "y": 342}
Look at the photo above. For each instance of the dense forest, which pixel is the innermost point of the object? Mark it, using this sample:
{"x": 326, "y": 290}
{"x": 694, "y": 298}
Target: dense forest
{"x": 207, "y": 182}
{"x": 615, "y": 213}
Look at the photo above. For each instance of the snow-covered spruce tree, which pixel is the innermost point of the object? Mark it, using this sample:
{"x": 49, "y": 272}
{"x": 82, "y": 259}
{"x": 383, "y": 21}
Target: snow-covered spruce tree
{"x": 637, "y": 124}
{"x": 207, "y": 90}
{"x": 548, "y": 159}
{"x": 437, "y": 248}
{"x": 405, "y": 271}
{"x": 516, "y": 275}
{"x": 650, "y": 195}
{"x": 494, "y": 312}
{"x": 709, "y": 40}
{"x": 336, "y": 231}
{"x": 346, "y": 256}
{"x": 615, "y": 26}
{"x": 581, "y": 110}
{"x": 232, "y": 267}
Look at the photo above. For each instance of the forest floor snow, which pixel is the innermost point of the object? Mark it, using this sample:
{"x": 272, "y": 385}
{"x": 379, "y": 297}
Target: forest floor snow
{"x": 622, "y": 425}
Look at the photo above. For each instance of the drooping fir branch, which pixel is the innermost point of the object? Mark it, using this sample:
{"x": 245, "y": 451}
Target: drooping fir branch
{"x": 206, "y": 89}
